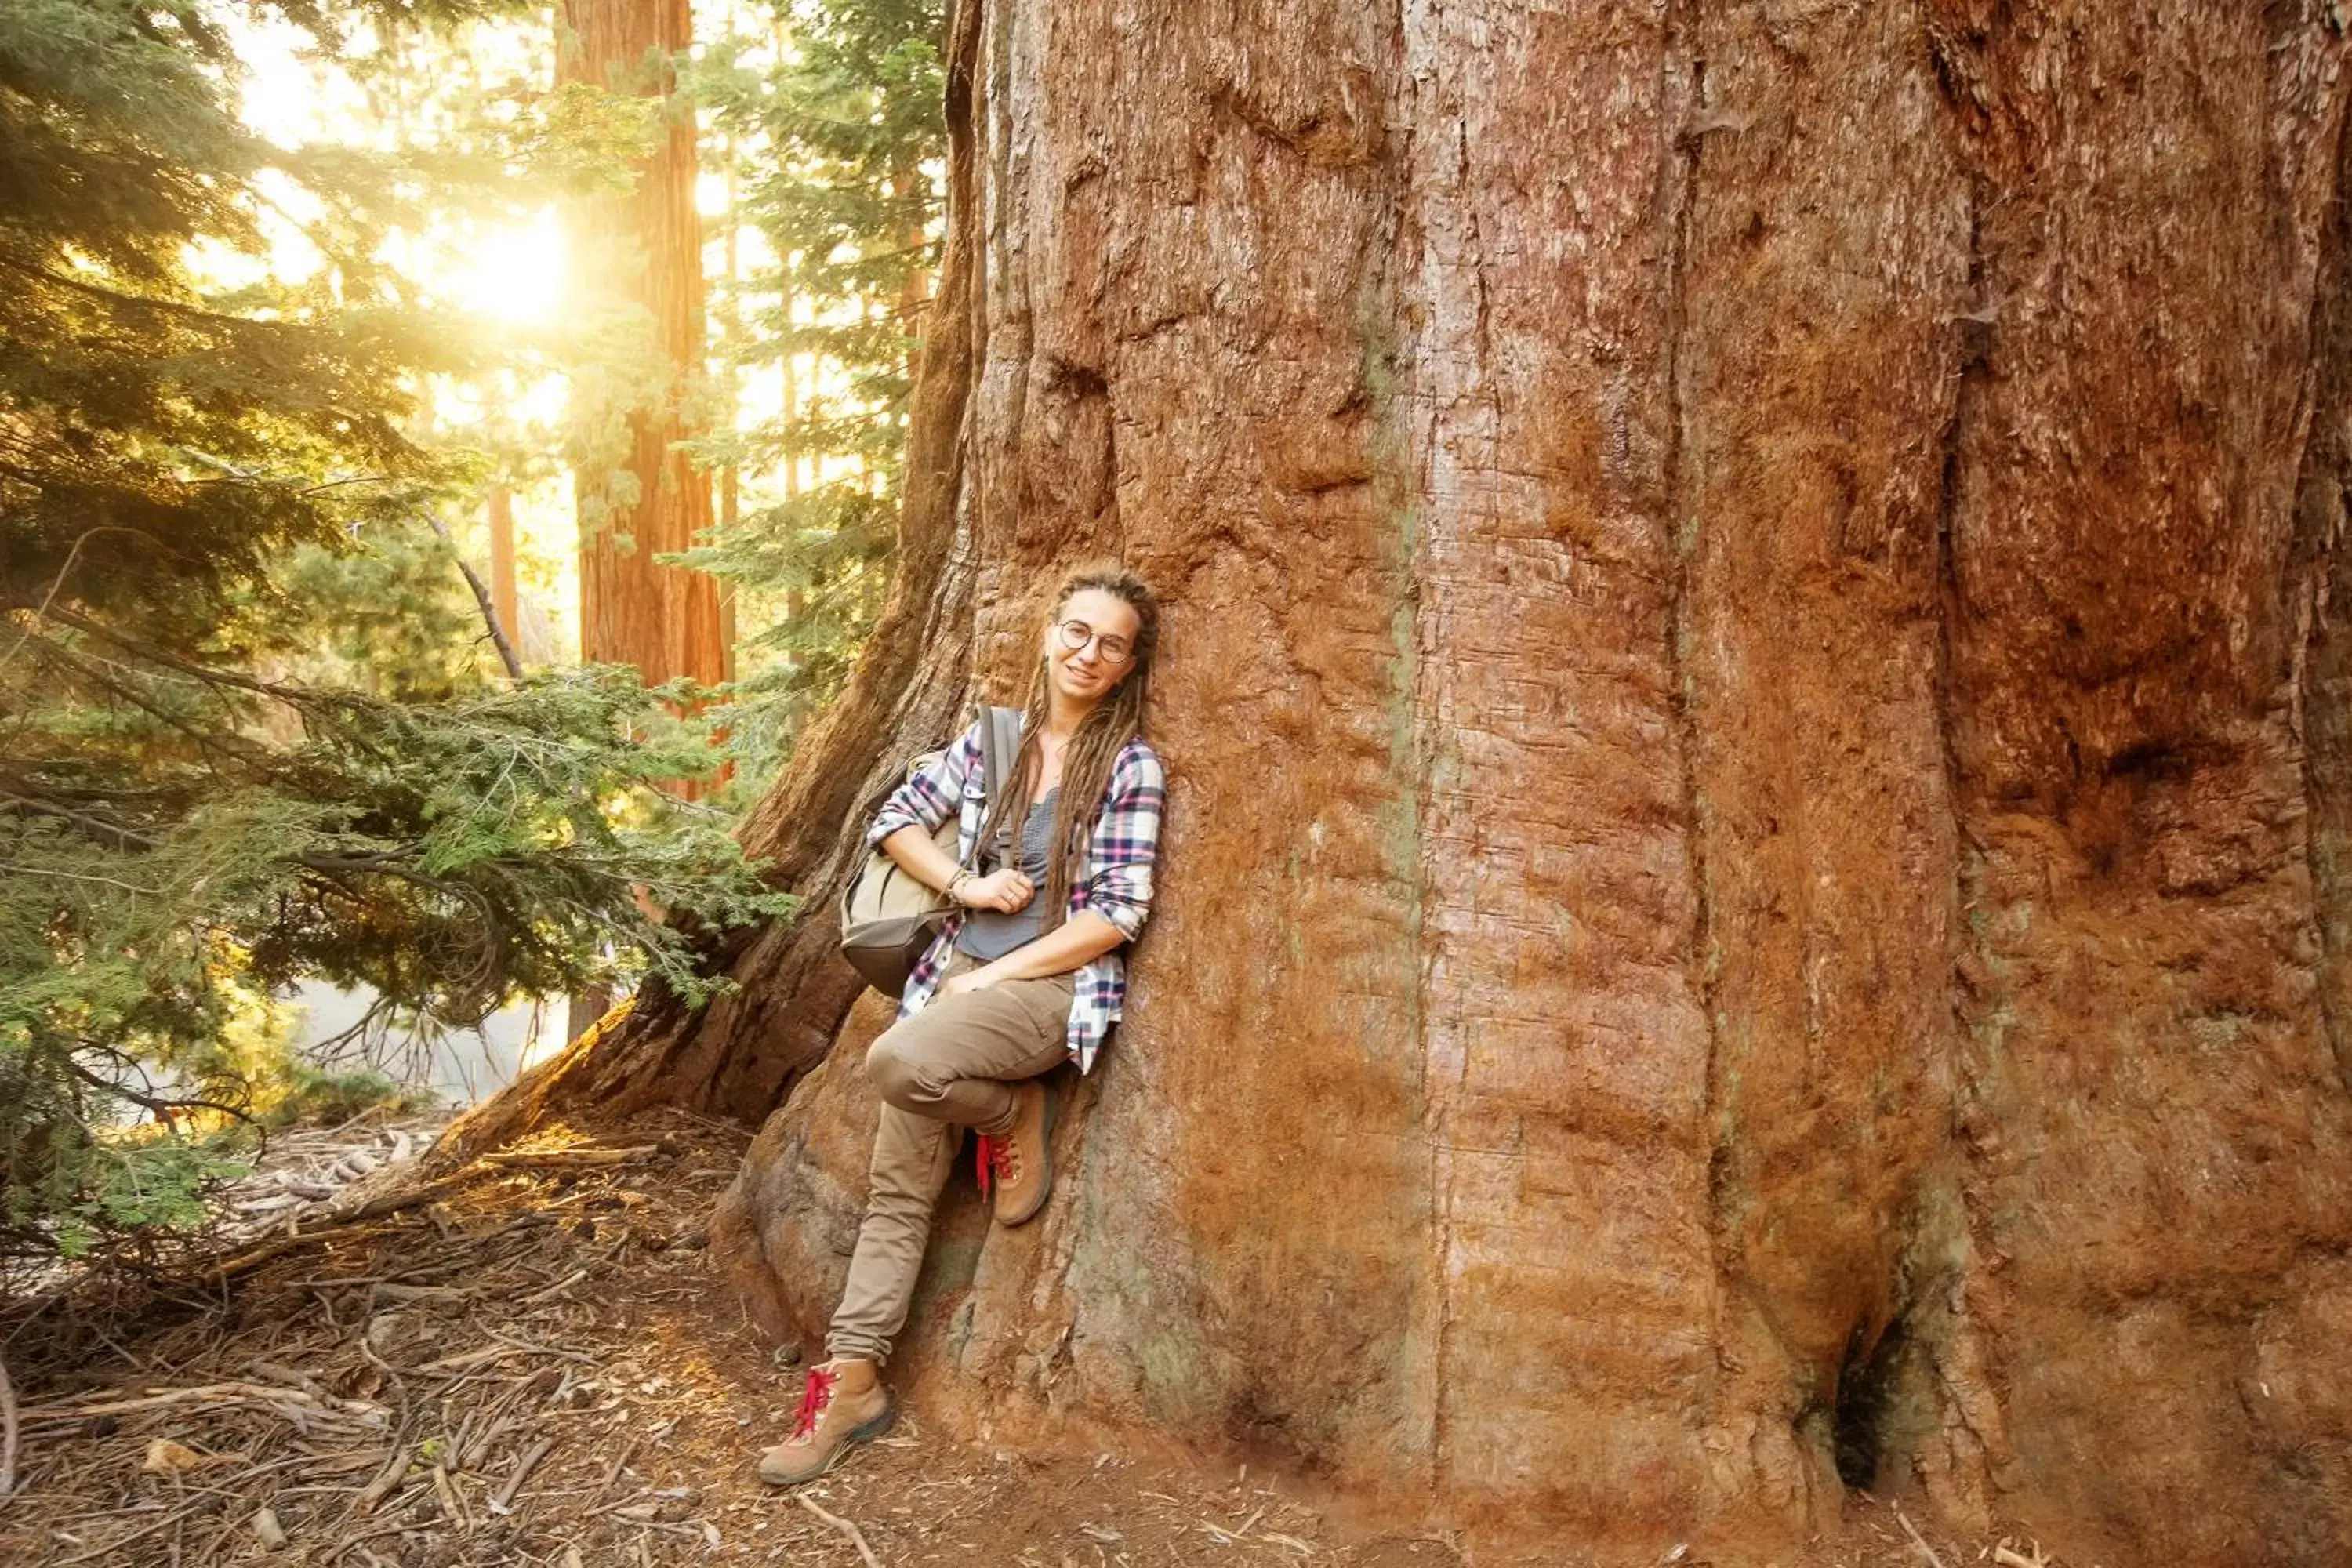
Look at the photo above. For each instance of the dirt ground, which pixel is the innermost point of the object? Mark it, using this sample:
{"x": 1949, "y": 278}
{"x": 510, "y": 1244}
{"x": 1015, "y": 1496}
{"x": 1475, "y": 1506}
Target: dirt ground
{"x": 529, "y": 1363}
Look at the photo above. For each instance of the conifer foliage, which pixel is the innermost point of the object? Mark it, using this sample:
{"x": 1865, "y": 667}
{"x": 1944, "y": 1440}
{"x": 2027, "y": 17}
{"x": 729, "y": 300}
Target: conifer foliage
{"x": 847, "y": 193}
{"x": 182, "y": 828}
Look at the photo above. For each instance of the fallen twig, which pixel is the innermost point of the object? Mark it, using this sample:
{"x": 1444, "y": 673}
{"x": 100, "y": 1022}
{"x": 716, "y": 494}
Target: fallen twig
{"x": 502, "y": 1500}
{"x": 581, "y": 1356}
{"x": 1918, "y": 1540}
{"x": 340, "y": 1223}
{"x": 557, "y": 1288}
{"x": 612, "y": 1471}
{"x": 856, "y": 1537}
{"x": 395, "y": 1292}
{"x": 278, "y": 1246}
{"x": 156, "y": 1399}
{"x": 467, "y": 1359}
{"x": 113, "y": 1546}
{"x": 387, "y": 1480}
{"x": 453, "y": 1507}
{"x": 291, "y": 1376}
{"x": 560, "y": 1159}
{"x": 470, "y": 1453}
{"x": 7, "y": 1434}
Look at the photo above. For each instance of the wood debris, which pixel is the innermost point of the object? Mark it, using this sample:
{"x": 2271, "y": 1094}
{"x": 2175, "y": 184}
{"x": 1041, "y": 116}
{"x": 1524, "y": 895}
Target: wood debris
{"x": 397, "y": 1376}
{"x": 522, "y": 1362}
{"x": 856, "y": 1537}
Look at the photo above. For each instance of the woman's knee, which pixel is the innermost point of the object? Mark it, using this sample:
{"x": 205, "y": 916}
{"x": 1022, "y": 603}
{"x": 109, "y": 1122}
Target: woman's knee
{"x": 894, "y": 1071}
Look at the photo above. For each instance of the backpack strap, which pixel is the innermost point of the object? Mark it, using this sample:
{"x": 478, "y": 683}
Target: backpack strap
{"x": 999, "y": 748}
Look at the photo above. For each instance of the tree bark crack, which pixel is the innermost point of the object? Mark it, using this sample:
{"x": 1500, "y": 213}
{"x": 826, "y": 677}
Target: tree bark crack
{"x": 2317, "y": 677}
{"x": 1682, "y": 71}
{"x": 1417, "y": 30}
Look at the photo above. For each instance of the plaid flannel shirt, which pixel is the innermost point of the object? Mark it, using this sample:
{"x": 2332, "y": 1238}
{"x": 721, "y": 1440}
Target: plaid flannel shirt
{"x": 1115, "y": 882}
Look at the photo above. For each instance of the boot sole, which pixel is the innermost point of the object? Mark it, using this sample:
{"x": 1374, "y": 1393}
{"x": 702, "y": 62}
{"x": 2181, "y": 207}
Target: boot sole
{"x": 1045, "y": 1144}
{"x": 856, "y": 1435}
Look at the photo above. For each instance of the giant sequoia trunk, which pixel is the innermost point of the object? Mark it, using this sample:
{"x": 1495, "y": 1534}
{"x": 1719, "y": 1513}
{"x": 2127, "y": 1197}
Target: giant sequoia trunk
{"x": 1755, "y": 681}
{"x": 638, "y": 264}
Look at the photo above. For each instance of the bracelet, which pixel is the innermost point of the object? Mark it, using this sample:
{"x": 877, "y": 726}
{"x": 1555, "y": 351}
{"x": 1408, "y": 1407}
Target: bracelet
{"x": 955, "y": 881}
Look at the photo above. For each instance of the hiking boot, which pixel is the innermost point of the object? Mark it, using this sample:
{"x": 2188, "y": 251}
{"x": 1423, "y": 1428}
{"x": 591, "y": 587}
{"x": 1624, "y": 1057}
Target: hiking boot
{"x": 845, "y": 1403}
{"x": 1021, "y": 1162}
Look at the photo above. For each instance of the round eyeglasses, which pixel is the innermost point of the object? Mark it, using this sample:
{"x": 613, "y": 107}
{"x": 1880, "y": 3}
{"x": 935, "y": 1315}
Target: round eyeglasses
{"x": 1076, "y": 635}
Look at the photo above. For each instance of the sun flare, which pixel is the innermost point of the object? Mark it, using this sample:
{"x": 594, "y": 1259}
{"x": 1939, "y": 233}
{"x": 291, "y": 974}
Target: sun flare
{"x": 513, "y": 273}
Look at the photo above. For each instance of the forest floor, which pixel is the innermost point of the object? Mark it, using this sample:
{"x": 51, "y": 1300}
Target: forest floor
{"x": 530, "y": 1363}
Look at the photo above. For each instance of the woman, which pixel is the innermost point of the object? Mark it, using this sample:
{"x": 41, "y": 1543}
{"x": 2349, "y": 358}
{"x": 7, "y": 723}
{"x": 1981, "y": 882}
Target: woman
{"x": 1015, "y": 984}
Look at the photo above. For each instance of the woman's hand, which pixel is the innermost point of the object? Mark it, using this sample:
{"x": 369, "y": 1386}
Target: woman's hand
{"x": 970, "y": 980}
{"x": 1006, "y": 892}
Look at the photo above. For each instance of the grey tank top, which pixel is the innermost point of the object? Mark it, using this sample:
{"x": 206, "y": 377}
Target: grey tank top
{"x": 990, "y": 934}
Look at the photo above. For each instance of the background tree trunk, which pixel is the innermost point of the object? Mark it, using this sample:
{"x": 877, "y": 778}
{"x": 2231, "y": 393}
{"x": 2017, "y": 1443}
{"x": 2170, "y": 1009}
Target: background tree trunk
{"x": 505, "y": 594}
{"x": 641, "y": 252}
{"x": 1757, "y": 688}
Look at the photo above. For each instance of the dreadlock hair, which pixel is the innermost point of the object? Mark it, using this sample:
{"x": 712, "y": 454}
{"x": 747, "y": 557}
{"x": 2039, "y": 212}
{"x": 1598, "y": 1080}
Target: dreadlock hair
{"x": 1087, "y": 763}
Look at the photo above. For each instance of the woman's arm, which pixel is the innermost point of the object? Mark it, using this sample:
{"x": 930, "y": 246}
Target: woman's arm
{"x": 1125, "y": 846}
{"x": 930, "y": 796}
{"x": 919, "y": 855}
{"x": 915, "y": 811}
{"x": 913, "y": 848}
{"x": 1075, "y": 943}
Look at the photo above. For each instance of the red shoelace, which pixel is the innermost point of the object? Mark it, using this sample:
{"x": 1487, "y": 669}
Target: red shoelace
{"x": 996, "y": 1158}
{"x": 814, "y": 1399}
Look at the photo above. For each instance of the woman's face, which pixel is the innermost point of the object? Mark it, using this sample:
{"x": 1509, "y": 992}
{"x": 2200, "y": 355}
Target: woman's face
{"x": 1084, "y": 674}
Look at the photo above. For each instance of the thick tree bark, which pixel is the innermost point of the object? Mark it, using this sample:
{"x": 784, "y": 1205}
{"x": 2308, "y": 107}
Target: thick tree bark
{"x": 638, "y": 258}
{"x": 1756, "y": 680}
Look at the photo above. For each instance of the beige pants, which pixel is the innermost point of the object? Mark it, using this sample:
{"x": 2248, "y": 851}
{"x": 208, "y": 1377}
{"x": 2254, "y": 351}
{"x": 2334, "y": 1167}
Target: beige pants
{"x": 946, "y": 1068}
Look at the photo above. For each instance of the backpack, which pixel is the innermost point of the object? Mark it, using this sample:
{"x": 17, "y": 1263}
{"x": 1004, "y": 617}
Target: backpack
{"x": 887, "y": 918}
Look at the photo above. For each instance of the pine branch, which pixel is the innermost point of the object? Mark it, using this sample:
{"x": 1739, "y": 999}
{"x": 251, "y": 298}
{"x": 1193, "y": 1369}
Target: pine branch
{"x": 482, "y": 597}
{"x": 166, "y": 1109}
{"x": 124, "y": 837}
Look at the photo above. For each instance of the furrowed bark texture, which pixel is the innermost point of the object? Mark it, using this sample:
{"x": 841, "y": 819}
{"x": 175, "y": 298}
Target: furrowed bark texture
{"x": 1756, "y": 898}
